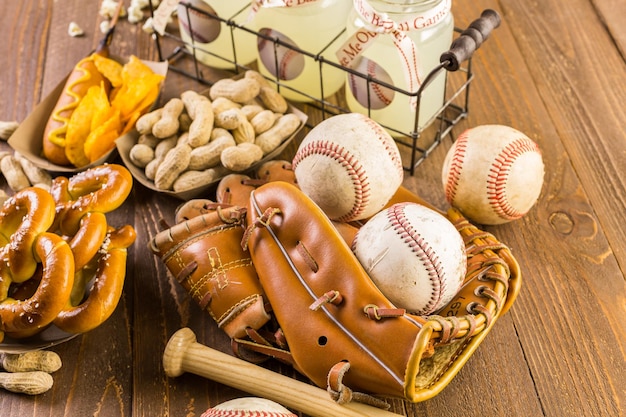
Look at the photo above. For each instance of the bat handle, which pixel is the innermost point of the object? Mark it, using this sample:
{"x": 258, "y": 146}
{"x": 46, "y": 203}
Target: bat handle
{"x": 470, "y": 40}
{"x": 183, "y": 354}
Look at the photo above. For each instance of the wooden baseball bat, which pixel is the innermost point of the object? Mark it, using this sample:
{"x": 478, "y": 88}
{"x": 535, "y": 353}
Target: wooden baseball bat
{"x": 183, "y": 354}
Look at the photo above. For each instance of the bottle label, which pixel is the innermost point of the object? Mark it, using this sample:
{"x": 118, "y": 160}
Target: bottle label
{"x": 379, "y": 24}
{"x": 256, "y": 4}
{"x": 198, "y": 26}
{"x": 283, "y": 62}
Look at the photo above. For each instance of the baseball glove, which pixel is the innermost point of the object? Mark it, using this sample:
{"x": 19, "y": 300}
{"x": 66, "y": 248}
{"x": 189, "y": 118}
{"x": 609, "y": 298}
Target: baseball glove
{"x": 203, "y": 252}
{"x": 339, "y": 330}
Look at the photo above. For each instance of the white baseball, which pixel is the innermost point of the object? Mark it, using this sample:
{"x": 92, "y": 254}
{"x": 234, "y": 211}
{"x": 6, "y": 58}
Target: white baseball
{"x": 414, "y": 255}
{"x": 493, "y": 174}
{"x": 248, "y": 407}
{"x": 378, "y": 96}
{"x": 349, "y": 166}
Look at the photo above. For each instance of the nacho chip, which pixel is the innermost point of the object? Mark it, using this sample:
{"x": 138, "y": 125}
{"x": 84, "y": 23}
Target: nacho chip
{"x": 139, "y": 90}
{"x": 101, "y": 140}
{"x": 81, "y": 122}
{"x": 109, "y": 68}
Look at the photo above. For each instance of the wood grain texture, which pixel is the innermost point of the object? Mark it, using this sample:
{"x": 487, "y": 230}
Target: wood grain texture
{"x": 554, "y": 71}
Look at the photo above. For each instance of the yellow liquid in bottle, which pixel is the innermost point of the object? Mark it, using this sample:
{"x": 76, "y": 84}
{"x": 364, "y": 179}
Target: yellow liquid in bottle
{"x": 315, "y": 28}
{"x": 381, "y": 60}
{"x": 211, "y": 41}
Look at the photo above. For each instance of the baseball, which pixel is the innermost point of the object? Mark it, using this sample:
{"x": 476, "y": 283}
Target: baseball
{"x": 414, "y": 255}
{"x": 248, "y": 407}
{"x": 493, "y": 174}
{"x": 378, "y": 96}
{"x": 349, "y": 166}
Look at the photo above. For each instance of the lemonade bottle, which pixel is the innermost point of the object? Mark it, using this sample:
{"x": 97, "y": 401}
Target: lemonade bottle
{"x": 313, "y": 26}
{"x": 397, "y": 42}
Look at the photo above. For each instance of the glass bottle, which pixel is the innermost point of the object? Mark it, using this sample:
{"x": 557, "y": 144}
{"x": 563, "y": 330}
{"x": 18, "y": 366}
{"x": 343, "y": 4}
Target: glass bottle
{"x": 314, "y": 26}
{"x": 378, "y": 46}
{"x": 211, "y": 39}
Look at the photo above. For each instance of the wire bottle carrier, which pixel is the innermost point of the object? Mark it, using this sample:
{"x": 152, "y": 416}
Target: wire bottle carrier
{"x": 456, "y": 60}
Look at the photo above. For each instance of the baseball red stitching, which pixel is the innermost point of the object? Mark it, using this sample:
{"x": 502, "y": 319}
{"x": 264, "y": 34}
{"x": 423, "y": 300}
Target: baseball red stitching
{"x": 194, "y": 33}
{"x": 499, "y": 175}
{"x": 425, "y": 253}
{"x": 456, "y": 166}
{"x": 388, "y": 143}
{"x": 352, "y": 166}
{"x": 241, "y": 413}
{"x": 377, "y": 88}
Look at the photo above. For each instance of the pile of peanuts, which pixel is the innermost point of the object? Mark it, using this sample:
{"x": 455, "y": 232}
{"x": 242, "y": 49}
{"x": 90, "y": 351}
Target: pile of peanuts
{"x": 21, "y": 173}
{"x": 194, "y": 140}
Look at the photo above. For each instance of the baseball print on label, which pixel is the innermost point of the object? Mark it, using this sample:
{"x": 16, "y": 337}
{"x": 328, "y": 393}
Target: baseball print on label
{"x": 371, "y": 93}
{"x": 286, "y": 63}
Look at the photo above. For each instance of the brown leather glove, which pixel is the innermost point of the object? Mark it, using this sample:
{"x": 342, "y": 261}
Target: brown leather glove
{"x": 203, "y": 252}
{"x": 340, "y": 330}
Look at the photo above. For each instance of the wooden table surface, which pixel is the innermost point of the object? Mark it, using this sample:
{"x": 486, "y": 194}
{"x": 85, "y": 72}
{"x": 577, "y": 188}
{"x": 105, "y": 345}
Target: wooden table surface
{"x": 554, "y": 70}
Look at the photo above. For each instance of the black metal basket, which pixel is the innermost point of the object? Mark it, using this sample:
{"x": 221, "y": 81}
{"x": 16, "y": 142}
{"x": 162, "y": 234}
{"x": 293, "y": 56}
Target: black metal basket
{"x": 421, "y": 140}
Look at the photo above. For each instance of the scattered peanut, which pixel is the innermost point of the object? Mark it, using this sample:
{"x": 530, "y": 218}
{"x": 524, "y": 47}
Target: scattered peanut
{"x": 192, "y": 179}
{"x": 208, "y": 156}
{"x": 175, "y": 162}
{"x": 36, "y": 360}
{"x": 144, "y": 123}
{"x": 271, "y": 138}
{"x": 273, "y": 100}
{"x": 148, "y": 139}
{"x": 34, "y": 174}
{"x": 239, "y": 91}
{"x": 241, "y": 157}
{"x": 31, "y": 383}
{"x": 258, "y": 77}
{"x": 251, "y": 110}
{"x": 7, "y": 129}
{"x": 199, "y": 108}
{"x": 229, "y": 119}
{"x": 141, "y": 155}
{"x": 14, "y": 174}
{"x": 164, "y": 146}
{"x": 152, "y": 167}
{"x": 244, "y": 132}
{"x": 220, "y": 104}
{"x": 262, "y": 121}
{"x": 168, "y": 124}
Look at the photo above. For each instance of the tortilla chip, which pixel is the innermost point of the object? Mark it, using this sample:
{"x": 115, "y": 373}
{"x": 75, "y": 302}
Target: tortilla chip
{"x": 109, "y": 68}
{"x": 101, "y": 140}
{"x": 81, "y": 122}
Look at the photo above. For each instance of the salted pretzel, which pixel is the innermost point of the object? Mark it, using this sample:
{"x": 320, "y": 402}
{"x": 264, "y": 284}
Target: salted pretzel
{"x": 22, "y": 218}
{"x": 81, "y": 204}
{"x": 25, "y": 317}
{"x": 100, "y": 189}
{"x": 108, "y": 282}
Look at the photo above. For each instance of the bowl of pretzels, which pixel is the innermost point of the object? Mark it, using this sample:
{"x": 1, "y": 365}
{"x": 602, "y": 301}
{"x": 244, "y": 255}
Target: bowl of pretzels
{"x": 62, "y": 265}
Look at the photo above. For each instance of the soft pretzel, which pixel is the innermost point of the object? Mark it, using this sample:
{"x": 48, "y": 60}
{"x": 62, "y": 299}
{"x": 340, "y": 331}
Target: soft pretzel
{"x": 106, "y": 291}
{"x": 88, "y": 240}
{"x": 100, "y": 189}
{"x": 51, "y": 295}
{"x": 22, "y": 217}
